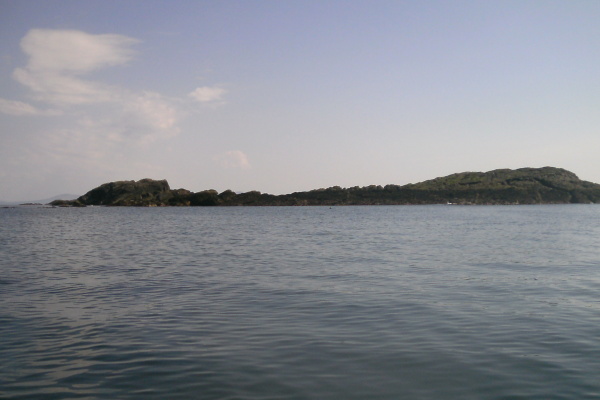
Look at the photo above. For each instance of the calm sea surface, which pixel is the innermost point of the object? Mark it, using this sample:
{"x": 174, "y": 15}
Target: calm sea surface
{"x": 398, "y": 302}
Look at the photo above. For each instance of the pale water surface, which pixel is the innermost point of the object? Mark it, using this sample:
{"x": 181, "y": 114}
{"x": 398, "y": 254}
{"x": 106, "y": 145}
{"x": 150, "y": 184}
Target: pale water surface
{"x": 399, "y": 302}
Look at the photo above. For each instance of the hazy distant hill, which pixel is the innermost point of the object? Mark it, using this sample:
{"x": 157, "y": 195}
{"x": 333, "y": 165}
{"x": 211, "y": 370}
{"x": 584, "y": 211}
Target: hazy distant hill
{"x": 546, "y": 185}
{"x": 42, "y": 201}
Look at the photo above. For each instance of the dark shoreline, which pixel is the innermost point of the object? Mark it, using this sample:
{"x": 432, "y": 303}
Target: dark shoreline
{"x": 547, "y": 185}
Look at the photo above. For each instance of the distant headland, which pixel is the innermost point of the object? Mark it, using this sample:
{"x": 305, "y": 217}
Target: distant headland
{"x": 547, "y": 185}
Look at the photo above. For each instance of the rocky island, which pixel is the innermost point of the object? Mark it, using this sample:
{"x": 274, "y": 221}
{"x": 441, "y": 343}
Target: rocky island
{"x": 547, "y": 185}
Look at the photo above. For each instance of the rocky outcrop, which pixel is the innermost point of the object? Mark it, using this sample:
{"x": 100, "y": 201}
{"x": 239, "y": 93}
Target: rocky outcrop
{"x": 546, "y": 185}
{"x": 145, "y": 192}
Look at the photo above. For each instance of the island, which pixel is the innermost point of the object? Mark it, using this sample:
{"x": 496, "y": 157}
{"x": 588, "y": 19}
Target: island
{"x": 547, "y": 185}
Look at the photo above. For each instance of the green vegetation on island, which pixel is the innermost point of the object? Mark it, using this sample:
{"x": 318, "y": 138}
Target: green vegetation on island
{"x": 546, "y": 185}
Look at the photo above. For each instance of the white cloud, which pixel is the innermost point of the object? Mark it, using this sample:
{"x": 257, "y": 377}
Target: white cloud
{"x": 234, "y": 159}
{"x": 64, "y": 90}
{"x": 145, "y": 117}
{"x": 103, "y": 129}
{"x": 207, "y": 94}
{"x": 74, "y": 51}
{"x": 19, "y": 108}
{"x": 58, "y": 57}
{"x": 101, "y": 123}
{"x": 154, "y": 110}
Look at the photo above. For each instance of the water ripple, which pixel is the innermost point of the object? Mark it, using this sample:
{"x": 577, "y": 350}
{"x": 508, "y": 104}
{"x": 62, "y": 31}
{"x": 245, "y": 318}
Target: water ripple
{"x": 300, "y": 303}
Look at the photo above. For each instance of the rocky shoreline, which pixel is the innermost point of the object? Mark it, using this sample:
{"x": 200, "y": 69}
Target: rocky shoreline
{"x": 547, "y": 185}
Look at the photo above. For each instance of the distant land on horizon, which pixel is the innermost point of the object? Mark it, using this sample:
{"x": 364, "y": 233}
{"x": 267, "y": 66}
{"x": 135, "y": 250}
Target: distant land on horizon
{"x": 547, "y": 185}
{"x": 64, "y": 196}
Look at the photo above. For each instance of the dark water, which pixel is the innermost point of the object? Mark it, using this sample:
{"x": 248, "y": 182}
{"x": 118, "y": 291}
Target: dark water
{"x": 404, "y": 302}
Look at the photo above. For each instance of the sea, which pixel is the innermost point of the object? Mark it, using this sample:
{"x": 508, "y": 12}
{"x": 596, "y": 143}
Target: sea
{"x": 366, "y": 302}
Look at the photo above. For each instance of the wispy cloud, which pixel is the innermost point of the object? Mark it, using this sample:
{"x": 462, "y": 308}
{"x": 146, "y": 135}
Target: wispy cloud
{"x": 234, "y": 159}
{"x": 207, "y": 94}
{"x": 100, "y": 127}
{"x": 145, "y": 117}
{"x": 63, "y": 89}
{"x": 57, "y": 59}
{"x": 75, "y": 51}
{"x": 19, "y": 108}
{"x": 54, "y": 74}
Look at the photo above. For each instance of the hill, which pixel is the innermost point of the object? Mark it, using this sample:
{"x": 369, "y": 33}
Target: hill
{"x": 546, "y": 185}
{"x": 42, "y": 201}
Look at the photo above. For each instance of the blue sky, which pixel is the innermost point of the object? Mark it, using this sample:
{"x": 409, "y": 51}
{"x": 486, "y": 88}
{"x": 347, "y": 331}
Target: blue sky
{"x": 283, "y": 96}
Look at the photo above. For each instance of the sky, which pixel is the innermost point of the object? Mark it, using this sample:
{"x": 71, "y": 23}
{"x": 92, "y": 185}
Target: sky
{"x": 285, "y": 96}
